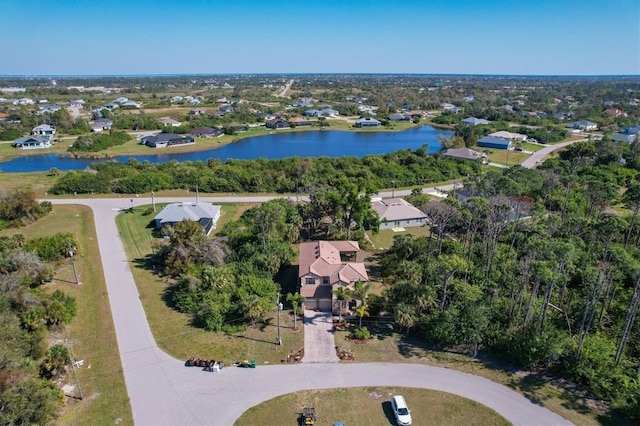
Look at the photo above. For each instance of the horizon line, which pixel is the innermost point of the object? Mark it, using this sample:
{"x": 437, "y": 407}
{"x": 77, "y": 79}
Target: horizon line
{"x": 5, "y": 76}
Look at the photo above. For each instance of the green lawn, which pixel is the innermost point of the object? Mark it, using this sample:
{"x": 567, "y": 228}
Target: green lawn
{"x": 370, "y": 406}
{"x": 91, "y": 335}
{"x": 173, "y": 330}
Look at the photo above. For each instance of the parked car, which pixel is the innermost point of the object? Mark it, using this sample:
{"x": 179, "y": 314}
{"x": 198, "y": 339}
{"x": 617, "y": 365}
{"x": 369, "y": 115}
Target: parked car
{"x": 401, "y": 411}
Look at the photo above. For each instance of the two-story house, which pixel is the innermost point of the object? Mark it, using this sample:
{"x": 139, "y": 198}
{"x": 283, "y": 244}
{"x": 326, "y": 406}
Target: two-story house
{"x": 326, "y": 265}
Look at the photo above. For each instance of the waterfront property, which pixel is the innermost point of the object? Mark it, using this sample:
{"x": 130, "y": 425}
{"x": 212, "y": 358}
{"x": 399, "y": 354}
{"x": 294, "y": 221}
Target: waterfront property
{"x": 325, "y": 266}
{"x": 165, "y": 140}
{"x": 465, "y": 154}
{"x": 518, "y": 137}
{"x": 33, "y": 142}
{"x": 473, "y": 121}
{"x": 397, "y": 213}
{"x": 205, "y": 214}
{"x": 206, "y": 132}
{"x": 367, "y": 122}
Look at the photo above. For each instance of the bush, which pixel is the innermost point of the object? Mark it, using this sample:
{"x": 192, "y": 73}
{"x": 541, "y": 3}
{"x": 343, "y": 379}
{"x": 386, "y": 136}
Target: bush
{"x": 362, "y": 334}
{"x": 99, "y": 142}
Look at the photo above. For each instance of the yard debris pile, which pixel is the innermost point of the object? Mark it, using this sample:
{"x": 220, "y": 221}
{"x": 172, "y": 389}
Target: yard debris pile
{"x": 297, "y": 356}
{"x": 206, "y": 364}
{"x": 345, "y": 354}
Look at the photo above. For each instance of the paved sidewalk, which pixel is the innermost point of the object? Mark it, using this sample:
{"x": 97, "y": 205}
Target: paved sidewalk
{"x": 319, "y": 345}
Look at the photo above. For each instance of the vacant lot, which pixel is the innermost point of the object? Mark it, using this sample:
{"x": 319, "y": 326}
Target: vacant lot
{"x": 91, "y": 335}
{"x": 370, "y": 406}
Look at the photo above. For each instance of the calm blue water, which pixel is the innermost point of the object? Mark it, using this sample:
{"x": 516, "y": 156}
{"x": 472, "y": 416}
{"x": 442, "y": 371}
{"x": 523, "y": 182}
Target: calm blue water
{"x": 278, "y": 145}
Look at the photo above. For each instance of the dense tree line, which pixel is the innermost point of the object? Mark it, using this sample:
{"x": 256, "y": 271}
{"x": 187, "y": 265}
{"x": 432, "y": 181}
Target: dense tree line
{"x": 407, "y": 168}
{"x": 536, "y": 267}
{"x": 28, "y": 367}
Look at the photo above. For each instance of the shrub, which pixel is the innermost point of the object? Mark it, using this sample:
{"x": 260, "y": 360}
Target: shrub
{"x": 362, "y": 334}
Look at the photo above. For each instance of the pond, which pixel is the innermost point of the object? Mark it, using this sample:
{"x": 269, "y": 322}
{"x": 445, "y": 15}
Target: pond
{"x": 331, "y": 143}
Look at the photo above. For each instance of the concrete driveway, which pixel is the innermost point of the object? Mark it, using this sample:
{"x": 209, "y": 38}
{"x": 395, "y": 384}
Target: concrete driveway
{"x": 162, "y": 391}
{"x": 319, "y": 343}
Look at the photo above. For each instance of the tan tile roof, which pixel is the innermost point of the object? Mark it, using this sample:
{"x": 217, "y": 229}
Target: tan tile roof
{"x": 322, "y": 259}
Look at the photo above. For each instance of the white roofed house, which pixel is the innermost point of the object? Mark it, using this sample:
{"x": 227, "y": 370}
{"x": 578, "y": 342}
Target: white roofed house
{"x": 205, "y": 214}
{"x": 398, "y": 213}
{"x": 44, "y": 130}
{"x": 325, "y": 266}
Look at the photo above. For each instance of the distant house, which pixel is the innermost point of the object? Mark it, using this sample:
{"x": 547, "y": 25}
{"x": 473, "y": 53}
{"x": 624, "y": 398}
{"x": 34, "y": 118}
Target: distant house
{"x": 469, "y": 98}
{"x": 465, "y": 154}
{"x": 631, "y": 130}
{"x": 302, "y": 103}
{"x": 518, "y": 137}
{"x": 494, "y": 142}
{"x": 77, "y": 102}
{"x": 621, "y": 137}
{"x": 197, "y": 111}
{"x": 450, "y": 108}
{"x": 222, "y": 100}
{"x": 237, "y": 127}
{"x": 325, "y": 266}
{"x": 165, "y": 140}
{"x": 176, "y": 99}
{"x": 226, "y": 109}
{"x": 472, "y": 121}
{"x": 311, "y": 113}
{"x": 367, "y": 122}
{"x": 131, "y": 105}
{"x": 614, "y": 112}
{"x": 44, "y": 130}
{"x": 206, "y": 132}
{"x": 170, "y": 122}
{"x": 49, "y": 108}
{"x": 583, "y": 125}
{"x": 299, "y": 121}
{"x": 205, "y": 214}
{"x": 400, "y": 117}
{"x": 328, "y": 112}
{"x": 33, "y": 142}
{"x": 101, "y": 124}
{"x": 277, "y": 123}
{"x": 397, "y": 213}
{"x": 121, "y": 100}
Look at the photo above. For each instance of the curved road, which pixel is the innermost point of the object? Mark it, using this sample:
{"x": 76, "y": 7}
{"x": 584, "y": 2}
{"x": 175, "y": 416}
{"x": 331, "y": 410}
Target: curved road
{"x": 163, "y": 392}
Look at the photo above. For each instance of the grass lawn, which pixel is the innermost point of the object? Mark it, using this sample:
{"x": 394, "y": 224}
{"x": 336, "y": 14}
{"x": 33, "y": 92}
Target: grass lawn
{"x": 173, "y": 330}
{"x": 91, "y": 335}
{"x": 502, "y": 156}
{"x": 384, "y": 239}
{"x": 371, "y": 406}
{"x": 388, "y": 344}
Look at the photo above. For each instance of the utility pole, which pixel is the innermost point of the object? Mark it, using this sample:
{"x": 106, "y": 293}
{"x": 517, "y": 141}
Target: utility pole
{"x": 75, "y": 271}
{"x": 197, "y": 195}
{"x": 73, "y": 368}
{"x": 153, "y": 200}
{"x": 279, "y": 308}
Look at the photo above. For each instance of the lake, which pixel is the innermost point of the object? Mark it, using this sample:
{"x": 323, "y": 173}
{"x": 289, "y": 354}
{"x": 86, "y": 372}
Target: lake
{"x": 330, "y": 143}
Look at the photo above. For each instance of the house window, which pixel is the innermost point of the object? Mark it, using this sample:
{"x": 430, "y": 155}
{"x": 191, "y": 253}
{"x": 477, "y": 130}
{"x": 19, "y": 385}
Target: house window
{"x": 310, "y": 281}
{"x": 325, "y": 280}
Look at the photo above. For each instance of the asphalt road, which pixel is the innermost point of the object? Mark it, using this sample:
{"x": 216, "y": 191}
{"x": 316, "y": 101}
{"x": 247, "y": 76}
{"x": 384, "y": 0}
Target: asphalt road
{"x": 162, "y": 391}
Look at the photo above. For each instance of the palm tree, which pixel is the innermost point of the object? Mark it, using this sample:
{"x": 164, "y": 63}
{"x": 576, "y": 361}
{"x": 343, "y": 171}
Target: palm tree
{"x": 296, "y": 299}
{"x": 405, "y": 315}
{"x": 362, "y": 311}
{"x": 361, "y": 291}
{"x": 342, "y": 294}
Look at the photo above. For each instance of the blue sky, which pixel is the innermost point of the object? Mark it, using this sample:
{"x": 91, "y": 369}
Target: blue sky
{"x": 532, "y": 37}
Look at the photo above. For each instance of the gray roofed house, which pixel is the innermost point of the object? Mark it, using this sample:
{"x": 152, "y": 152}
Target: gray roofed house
{"x": 400, "y": 117}
{"x": 473, "y": 121}
{"x": 328, "y": 111}
{"x": 205, "y": 214}
{"x": 206, "y": 132}
{"x": 367, "y": 122}
{"x": 101, "y": 124}
{"x": 494, "y": 142}
{"x": 583, "y": 125}
{"x": 311, "y": 112}
{"x": 464, "y": 153}
{"x": 165, "y": 140}
{"x": 33, "y": 142}
{"x": 397, "y": 213}
{"x": 621, "y": 137}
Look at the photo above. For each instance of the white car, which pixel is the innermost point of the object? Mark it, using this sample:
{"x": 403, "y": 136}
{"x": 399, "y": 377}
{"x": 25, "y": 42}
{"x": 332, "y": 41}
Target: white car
{"x": 401, "y": 411}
